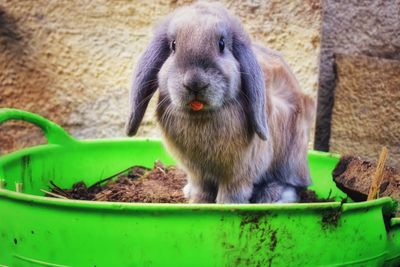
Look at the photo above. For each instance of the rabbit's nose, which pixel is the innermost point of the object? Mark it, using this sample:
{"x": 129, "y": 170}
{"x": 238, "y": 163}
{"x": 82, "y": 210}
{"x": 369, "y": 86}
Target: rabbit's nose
{"x": 195, "y": 81}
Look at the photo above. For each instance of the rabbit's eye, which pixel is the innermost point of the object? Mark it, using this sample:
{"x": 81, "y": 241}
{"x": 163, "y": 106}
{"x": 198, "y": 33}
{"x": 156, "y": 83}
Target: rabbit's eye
{"x": 221, "y": 45}
{"x": 173, "y": 44}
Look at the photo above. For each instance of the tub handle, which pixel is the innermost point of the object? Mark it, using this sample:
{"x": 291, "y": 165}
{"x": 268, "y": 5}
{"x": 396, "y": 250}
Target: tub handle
{"x": 395, "y": 222}
{"x": 393, "y": 257}
{"x": 54, "y": 133}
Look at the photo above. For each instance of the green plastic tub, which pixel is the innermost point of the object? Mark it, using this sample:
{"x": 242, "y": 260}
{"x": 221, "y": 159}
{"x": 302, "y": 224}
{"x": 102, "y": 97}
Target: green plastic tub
{"x": 40, "y": 231}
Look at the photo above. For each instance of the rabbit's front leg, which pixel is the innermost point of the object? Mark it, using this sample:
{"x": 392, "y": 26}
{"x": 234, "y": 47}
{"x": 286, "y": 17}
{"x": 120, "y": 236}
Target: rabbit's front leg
{"x": 239, "y": 192}
{"x": 274, "y": 192}
{"x": 200, "y": 192}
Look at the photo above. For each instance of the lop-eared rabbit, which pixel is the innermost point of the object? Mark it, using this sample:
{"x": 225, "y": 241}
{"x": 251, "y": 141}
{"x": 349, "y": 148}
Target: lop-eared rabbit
{"x": 231, "y": 112}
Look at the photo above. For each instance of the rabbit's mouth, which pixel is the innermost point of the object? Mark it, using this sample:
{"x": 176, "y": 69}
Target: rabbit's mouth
{"x": 200, "y": 102}
{"x": 196, "y": 105}
{"x": 199, "y": 105}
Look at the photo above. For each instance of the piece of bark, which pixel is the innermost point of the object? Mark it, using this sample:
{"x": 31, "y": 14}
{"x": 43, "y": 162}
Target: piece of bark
{"x": 354, "y": 177}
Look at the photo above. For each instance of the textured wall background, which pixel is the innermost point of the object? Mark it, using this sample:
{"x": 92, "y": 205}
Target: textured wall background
{"x": 366, "y": 115}
{"x": 368, "y": 27}
{"x": 71, "y": 61}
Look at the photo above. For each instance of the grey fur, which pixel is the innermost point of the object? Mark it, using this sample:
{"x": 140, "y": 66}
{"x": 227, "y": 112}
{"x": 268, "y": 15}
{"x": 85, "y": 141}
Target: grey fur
{"x": 145, "y": 81}
{"x": 253, "y": 85}
{"x": 249, "y": 143}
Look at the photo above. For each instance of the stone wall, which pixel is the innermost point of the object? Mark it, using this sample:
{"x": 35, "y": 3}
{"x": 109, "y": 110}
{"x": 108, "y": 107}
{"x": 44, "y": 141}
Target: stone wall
{"x": 71, "y": 61}
{"x": 370, "y": 28}
{"x": 366, "y": 114}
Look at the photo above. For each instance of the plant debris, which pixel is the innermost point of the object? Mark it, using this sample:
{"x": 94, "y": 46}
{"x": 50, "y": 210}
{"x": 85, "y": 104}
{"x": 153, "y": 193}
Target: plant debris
{"x": 161, "y": 184}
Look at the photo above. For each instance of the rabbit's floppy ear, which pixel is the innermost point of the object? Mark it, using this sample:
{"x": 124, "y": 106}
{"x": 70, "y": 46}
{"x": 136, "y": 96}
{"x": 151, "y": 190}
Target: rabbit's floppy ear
{"x": 145, "y": 81}
{"x": 253, "y": 85}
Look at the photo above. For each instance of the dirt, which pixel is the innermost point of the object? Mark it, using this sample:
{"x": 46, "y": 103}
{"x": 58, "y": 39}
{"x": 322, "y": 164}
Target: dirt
{"x": 161, "y": 184}
{"x": 331, "y": 216}
{"x": 353, "y": 176}
{"x": 309, "y": 196}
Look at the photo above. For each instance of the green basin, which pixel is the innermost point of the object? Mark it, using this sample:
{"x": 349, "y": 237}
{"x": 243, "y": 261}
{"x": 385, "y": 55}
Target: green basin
{"x": 40, "y": 231}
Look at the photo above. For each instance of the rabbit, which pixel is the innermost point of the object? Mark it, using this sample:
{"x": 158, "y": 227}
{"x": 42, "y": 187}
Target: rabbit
{"x": 231, "y": 112}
